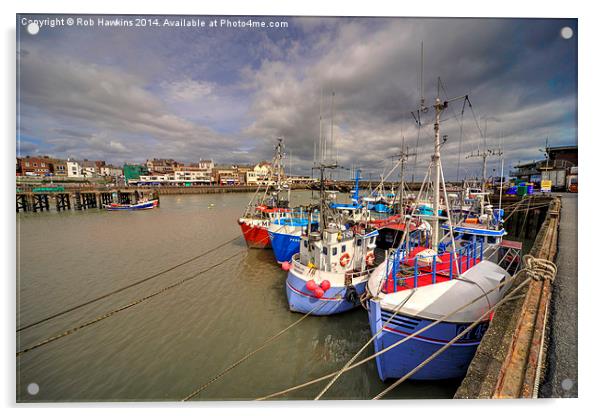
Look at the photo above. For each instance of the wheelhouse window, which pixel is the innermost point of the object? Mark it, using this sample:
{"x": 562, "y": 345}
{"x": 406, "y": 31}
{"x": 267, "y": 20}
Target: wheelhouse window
{"x": 343, "y": 248}
{"x": 334, "y": 251}
{"x": 325, "y": 250}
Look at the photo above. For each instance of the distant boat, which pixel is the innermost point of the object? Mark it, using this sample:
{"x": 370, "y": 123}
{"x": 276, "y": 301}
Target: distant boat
{"x": 133, "y": 207}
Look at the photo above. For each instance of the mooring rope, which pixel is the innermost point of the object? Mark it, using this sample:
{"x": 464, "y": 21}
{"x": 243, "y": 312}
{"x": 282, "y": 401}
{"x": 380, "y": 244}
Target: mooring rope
{"x": 256, "y": 350}
{"x": 124, "y": 307}
{"x": 336, "y": 377}
{"x": 129, "y": 286}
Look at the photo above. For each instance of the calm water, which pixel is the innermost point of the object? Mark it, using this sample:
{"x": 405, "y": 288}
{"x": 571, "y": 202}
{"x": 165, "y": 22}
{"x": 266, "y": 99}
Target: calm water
{"x": 166, "y": 347}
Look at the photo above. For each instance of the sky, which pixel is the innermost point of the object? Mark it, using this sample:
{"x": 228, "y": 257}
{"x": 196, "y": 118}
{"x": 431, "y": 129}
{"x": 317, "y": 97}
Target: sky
{"x": 127, "y": 94}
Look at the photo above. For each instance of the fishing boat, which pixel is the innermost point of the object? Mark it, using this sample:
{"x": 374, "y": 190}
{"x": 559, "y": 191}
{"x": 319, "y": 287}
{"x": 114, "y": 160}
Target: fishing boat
{"x": 330, "y": 272}
{"x": 146, "y": 204}
{"x": 266, "y": 207}
{"x": 420, "y": 284}
{"x": 285, "y": 233}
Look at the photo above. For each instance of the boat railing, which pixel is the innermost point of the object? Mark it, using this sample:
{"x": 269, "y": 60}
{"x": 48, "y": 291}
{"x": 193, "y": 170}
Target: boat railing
{"x": 407, "y": 272}
{"x": 350, "y": 274}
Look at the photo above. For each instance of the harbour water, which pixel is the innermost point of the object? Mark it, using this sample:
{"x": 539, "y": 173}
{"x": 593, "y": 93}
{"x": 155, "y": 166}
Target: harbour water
{"x": 164, "y": 348}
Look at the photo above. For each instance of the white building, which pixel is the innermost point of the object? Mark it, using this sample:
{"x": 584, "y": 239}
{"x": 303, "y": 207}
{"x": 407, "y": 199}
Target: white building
{"x": 183, "y": 175}
{"x": 74, "y": 169}
{"x": 111, "y": 171}
{"x": 192, "y": 174}
{"x": 260, "y": 175}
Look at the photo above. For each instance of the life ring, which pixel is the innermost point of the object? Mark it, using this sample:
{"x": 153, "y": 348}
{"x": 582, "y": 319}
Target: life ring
{"x": 370, "y": 259}
{"x": 344, "y": 261}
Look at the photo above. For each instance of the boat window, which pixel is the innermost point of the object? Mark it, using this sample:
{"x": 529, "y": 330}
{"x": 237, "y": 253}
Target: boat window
{"x": 334, "y": 251}
{"x": 305, "y": 243}
{"x": 491, "y": 240}
{"x": 325, "y": 250}
{"x": 343, "y": 248}
{"x": 359, "y": 242}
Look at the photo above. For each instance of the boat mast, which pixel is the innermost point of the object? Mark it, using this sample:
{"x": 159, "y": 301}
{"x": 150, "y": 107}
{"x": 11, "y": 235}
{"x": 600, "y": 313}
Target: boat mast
{"x": 439, "y": 107}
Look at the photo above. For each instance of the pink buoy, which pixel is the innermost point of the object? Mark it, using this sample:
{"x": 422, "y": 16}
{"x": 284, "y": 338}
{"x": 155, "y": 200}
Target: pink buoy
{"x": 318, "y": 292}
{"x": 286, "y": 266}
{"x": 325, "y": 285}
{"x": 311, "y": 285}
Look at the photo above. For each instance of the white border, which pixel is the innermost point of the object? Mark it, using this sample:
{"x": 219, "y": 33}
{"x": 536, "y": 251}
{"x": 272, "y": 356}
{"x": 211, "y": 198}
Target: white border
{"x": 589, "y": 74}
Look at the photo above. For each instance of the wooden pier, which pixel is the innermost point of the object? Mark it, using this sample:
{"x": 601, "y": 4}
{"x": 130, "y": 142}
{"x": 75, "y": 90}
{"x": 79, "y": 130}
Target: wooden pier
{"x": 80, "y": 198}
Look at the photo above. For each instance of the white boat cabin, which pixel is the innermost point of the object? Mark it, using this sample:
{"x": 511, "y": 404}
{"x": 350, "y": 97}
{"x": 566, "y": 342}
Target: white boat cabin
{"x": 337, "y": 250}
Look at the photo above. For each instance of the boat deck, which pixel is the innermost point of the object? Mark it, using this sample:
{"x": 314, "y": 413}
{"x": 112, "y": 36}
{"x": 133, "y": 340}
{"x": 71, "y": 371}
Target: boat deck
{"x": 409, "y": 277}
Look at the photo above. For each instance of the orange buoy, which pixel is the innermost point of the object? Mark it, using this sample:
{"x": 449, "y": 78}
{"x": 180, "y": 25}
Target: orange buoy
{"x": 311, "y": 285}
{"x": 286, "y": 266}
{"x": 318, "y": 292}
{"x": 325, "y": 285}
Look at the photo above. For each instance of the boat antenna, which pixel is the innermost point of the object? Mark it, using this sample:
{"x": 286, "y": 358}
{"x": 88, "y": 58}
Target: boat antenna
{"x": 332, "y": 145}
{"x": 421, "y": 109}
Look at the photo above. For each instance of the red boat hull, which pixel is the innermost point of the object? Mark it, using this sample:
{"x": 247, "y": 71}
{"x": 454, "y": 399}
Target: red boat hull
{"x": 255, "y": 236}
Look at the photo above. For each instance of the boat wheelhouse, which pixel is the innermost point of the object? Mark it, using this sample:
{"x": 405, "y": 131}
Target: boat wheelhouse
{"x": 330, "y": 272}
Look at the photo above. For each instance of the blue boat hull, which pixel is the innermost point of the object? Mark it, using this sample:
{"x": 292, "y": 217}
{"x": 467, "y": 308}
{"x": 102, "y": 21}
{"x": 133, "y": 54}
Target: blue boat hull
{"x": 302, "y": 300}
{"x": 285, "y": 246}
{"x": 400, "y": 360}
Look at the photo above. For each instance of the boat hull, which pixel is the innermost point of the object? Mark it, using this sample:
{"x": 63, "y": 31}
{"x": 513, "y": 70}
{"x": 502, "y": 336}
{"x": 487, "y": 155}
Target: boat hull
{"x": 284, "y": 245}
{"x": 256, "y": 236}
{"x": 300, "y": 299}
{"x": 402, "y": 359}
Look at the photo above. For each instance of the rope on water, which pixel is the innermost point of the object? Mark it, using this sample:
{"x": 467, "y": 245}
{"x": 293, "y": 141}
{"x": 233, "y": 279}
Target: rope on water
{"x": 336, "y": 377}
{"x": 146, "y": 279}
{"x": 124, "y": 307}
{"x": 256, "y": 350}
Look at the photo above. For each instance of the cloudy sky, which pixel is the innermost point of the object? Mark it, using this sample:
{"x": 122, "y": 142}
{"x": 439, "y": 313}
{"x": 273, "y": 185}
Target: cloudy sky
{"x": 128, "y": 94}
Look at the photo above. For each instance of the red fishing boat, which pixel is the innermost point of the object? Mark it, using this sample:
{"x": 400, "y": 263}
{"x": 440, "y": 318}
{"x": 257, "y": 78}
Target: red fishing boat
{"x": 267, "y": 206}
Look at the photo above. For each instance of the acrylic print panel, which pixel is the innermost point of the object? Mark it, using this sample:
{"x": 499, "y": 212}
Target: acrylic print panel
{"x": 230, "y": 207}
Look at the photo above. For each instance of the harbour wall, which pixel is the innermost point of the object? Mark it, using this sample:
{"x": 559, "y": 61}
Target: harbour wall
{"x": 509, "y": 361}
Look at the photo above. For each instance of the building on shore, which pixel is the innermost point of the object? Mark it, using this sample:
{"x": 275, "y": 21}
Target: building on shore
{"x": 161, "y": 166}
{"x": 111, "y": 171}
{"x": 132, "y": 172}
{"x": 559, "y": 167}
{"x": 35, "y": 166}
{"x": 41, "y": 166}
{"x": 226, "y": 175}
{"x": 74, "y": 169}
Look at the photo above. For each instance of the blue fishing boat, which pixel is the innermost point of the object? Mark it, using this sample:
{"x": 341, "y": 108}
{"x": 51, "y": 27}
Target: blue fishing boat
{"x": 330, "y": 272}
{"x": 285, "y": 234}
{"x": 422, "y": 284}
